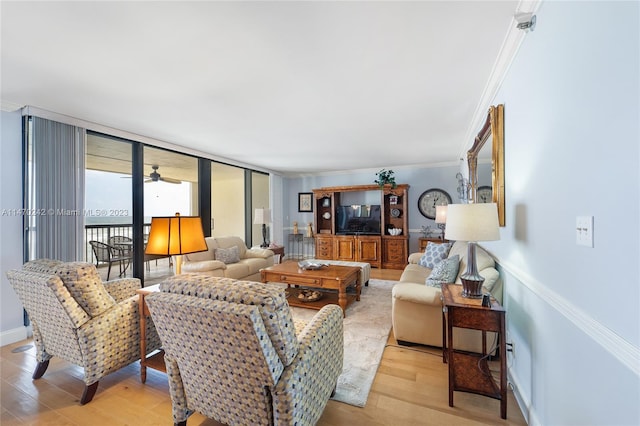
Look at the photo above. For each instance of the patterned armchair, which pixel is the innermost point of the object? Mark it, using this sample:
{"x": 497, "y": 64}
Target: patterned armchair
{"x": 76, "y": 317}
{"x": 233, "y": 354}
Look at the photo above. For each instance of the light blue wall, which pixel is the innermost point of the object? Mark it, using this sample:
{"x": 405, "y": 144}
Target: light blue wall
{"x": 572, "y": 149}
{"x": 419, "y": 180}
{"x": 11, "y": 319}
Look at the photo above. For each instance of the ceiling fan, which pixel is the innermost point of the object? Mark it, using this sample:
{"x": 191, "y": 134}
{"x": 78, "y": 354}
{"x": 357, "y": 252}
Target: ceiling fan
{"x": 155, "y": 177}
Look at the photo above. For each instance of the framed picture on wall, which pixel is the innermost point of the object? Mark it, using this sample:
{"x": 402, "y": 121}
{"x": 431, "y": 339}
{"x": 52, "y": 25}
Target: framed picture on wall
{"x": 305, "y": 202}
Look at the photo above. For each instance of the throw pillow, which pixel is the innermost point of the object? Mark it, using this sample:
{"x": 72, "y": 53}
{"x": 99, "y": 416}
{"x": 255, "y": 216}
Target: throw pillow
{"x": 230, "y": 255}
{"x": 445, "y": 271}
{"x": 434, "y": 253}
{"x": 85, "y": 286}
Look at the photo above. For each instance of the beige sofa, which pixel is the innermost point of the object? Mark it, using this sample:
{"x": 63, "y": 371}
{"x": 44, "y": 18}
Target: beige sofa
{"x": 417, "y": 307}
{"x": 220, "y": 259}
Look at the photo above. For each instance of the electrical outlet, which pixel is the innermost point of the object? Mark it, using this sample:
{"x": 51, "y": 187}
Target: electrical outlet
{"x": 510, "y": 345}
{"x": 584, "y": 231}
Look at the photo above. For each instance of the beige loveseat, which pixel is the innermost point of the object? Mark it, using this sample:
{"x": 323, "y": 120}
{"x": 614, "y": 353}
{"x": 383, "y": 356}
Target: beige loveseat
{"x": 417, "y": 307}
{"x": 228, "y": 257}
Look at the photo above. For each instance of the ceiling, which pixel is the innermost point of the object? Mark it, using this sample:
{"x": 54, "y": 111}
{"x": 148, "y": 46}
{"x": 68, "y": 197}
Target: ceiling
{"x": 291, "y": 87}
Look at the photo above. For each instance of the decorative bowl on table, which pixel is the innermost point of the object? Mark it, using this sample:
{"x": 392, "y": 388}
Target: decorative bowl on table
{"x": 310, "y": 264}
{"x": 309, "y": 295}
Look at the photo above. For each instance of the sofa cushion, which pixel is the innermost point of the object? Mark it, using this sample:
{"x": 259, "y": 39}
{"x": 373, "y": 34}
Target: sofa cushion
{"x": 238, "y": 270}
{"x": 203, "y": 266}
{"x": 417, "y": 293}
{"x": 228, "y": 255}
{"x": 414, "y": 273}
{"x": 491, "y": 276}
{"x": 445, "y": 271}
{"x": 434, "y": 253}
{"x": 85, "y": 285}
{"x": 255, "y": 264}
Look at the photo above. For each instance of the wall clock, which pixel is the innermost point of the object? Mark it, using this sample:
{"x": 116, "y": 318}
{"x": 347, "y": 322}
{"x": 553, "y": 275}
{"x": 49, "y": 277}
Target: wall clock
{"x": 484, "y": 194}
{"x": 431, "y": 198}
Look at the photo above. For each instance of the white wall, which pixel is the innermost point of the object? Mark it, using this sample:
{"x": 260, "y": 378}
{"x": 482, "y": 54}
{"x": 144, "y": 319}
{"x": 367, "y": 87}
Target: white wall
{"x": 571, "y": 149}
{"x": 11, "y": 318}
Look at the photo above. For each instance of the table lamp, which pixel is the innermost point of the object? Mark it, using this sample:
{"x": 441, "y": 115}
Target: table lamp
{"x": 441, "y": 219}
{"x": 262, "y": 217}
{"x": 175, "y": 236}
{"x": 472, "y": 223}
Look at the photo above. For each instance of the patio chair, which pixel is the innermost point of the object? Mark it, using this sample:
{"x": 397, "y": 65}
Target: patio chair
{"x": 234, "y": 354}
{"x": 105, "y": 253}
{"x": 124, "y": 245}
{"x": 78, "y": 318}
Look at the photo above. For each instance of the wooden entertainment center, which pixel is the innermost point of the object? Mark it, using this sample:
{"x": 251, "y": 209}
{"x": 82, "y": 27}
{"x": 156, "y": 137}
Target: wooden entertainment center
{"x": 381, "y": 250}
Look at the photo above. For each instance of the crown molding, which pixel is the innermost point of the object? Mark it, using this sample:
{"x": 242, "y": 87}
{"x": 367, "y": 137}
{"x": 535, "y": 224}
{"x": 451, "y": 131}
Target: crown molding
{"x": 507, "y": 54}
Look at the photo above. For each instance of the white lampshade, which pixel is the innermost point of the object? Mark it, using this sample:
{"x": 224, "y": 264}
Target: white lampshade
{"x": 472, "y": 222}
{"x": 441, "y": 214}
{"x": 262, "y": 216}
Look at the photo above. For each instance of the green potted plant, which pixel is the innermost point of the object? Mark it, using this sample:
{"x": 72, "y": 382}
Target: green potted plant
{"x": 385, "y": 177}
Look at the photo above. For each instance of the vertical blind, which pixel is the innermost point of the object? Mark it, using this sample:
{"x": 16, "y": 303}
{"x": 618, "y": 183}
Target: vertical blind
{"x": 54, "y": 190}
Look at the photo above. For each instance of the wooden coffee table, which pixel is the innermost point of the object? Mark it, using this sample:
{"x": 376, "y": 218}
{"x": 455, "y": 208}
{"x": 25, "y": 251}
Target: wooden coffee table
{"x": 330, "y": 277}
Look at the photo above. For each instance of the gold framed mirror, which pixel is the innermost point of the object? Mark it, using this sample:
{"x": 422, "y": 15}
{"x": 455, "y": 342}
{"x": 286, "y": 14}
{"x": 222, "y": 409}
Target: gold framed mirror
{"x": 491, "y": 138}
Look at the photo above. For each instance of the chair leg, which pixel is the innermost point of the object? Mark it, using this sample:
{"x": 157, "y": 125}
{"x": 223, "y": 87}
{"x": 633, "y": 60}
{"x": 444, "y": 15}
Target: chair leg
{"x": 40, "y": 369}
{"x": 89, "y": 392}
{"x": 109, "y": 271}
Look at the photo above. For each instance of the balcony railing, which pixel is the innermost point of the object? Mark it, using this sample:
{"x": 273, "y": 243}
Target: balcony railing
{"x": 102, "y": 233}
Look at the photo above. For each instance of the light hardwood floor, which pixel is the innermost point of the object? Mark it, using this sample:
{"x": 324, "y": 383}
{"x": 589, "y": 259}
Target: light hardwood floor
{"x": 410, "y": 388}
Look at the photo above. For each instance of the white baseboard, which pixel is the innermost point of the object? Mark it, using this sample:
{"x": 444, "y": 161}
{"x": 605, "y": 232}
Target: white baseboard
{"x": 15, "y": 335}
{"x": 524, "y": 404}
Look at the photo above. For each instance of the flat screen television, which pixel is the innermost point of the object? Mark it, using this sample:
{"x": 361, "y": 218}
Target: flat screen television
{"x": 359, "y": 219}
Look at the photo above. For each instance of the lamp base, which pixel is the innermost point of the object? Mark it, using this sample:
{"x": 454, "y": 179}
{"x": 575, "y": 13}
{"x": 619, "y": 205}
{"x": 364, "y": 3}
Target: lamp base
{"x": 264, "y": 237}
{"x": 472, "y": 286}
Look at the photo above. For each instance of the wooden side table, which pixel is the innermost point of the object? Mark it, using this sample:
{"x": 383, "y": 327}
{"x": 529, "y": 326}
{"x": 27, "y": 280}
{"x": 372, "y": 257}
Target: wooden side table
{"x": 155, "y": 360}
{"x": 278, "y": 250}
{"x": 469, "y": 372}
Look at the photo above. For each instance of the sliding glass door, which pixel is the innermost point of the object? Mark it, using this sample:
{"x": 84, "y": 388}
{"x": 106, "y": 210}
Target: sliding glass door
{"x": 105, "y": 189}
{"x": 108, "y": 209}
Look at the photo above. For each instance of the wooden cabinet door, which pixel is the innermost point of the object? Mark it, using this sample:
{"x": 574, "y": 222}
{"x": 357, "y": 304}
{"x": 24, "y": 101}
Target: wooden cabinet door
{"x": 324, "y": 247}
{"x": 344, "y": 248}
{"x": 369, "y": 250}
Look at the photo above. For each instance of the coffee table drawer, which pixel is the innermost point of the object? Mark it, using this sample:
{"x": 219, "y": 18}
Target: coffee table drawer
{"x": 301, "y": 280}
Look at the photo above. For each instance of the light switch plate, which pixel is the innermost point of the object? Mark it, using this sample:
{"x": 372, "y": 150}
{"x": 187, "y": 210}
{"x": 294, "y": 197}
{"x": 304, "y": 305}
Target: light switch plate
{"x": 584, "y": 231}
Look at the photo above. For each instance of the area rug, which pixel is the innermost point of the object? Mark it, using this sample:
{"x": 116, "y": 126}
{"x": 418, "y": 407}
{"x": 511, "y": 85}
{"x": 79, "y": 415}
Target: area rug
{"x": 366, "y": 331}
